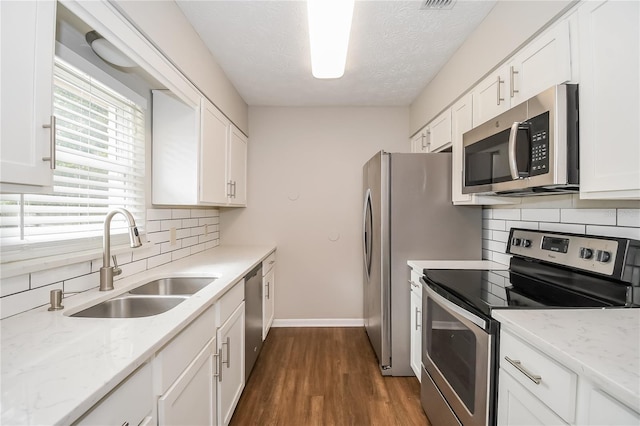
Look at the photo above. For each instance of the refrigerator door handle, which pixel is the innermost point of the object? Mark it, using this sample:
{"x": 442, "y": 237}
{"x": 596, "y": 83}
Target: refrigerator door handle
{"x": 367, "y": 232}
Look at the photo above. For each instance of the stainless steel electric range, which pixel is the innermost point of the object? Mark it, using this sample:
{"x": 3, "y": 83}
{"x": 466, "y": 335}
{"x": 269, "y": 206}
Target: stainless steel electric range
{"x": 547, "y": 270}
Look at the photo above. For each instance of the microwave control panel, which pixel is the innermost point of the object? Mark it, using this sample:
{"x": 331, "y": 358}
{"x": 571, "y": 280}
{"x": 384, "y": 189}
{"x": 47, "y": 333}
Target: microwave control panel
{"x": 539, "y": 144}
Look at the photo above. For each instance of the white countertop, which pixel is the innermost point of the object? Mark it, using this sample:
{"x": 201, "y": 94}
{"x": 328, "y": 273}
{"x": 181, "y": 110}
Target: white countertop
{"x": 602, "y": 345}
{"x": 55, "y": 368}
{"x": 456, "y": 264}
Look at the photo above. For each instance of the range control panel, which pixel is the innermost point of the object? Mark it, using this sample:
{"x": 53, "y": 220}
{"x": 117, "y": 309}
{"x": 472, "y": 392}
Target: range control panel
{"x": 576, "y": 251}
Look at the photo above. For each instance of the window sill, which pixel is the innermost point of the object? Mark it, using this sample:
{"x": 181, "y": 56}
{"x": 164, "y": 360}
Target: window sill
{"x": 20, "y": 267}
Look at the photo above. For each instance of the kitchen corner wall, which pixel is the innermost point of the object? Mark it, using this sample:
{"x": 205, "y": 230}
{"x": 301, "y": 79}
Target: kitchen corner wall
{"x": 608, "y": 221}
{"x": 196, "y": 230}
{"x": 305, "y": 196}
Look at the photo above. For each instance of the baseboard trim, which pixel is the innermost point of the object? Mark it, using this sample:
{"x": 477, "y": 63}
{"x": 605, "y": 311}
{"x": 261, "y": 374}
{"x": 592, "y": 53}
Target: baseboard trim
{"x": 319, "y": 322}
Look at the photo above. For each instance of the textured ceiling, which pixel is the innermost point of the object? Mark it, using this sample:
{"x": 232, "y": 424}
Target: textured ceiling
{"x": 395, "y": 49}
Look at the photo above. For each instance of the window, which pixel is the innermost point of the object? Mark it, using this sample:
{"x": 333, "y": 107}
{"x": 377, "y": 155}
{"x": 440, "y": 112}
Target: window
{"x": 100, "y": 142}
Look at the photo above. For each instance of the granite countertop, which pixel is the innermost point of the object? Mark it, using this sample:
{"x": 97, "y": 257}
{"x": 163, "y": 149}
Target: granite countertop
{"x": 602, "y": 345}
{"x": 456, "y": 264}
{"x": 55, "y": 368}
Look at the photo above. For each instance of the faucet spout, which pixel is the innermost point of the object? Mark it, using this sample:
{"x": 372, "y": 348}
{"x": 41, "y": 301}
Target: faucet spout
{"x": 107, "y": 272}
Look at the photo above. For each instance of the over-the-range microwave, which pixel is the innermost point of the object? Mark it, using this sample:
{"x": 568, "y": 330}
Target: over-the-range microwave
{"x": 531, "y": 149}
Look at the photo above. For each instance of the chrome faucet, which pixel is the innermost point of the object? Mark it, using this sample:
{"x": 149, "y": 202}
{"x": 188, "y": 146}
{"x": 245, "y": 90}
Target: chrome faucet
{"x": 107, "y": 272}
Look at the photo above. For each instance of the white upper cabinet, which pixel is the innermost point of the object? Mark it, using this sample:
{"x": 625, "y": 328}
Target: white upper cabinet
{"x": 491, "y": 96}
{"x": 544, "y": 62}
{"x": 237, "y": 167}
{"x": 420, "y": 141}
{"x": 27, "y": 144}
{"x": 213, "y": 162}
{"x": 198, "y": 156}
{"x": 609, "y": 38}
{"x": 440, "y": 132}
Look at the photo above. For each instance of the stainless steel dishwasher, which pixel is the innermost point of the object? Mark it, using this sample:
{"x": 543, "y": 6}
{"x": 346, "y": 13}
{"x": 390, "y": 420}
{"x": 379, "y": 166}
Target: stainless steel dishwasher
{"x": 253, "y": 317}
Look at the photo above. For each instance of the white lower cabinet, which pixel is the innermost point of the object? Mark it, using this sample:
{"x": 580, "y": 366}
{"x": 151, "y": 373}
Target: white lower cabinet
{"x": 230, "y": 337}
{"x": 518, "y": 407}
{"x": 415, "y": 342}
{"x": 535, "y": 389}
{"x": 192, "y": 398}
{"x": 268, "y": 293}
{"x": 130, "y": 403}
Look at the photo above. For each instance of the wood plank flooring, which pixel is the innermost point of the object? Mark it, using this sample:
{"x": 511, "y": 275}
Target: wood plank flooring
{"x": 325, "y": 376}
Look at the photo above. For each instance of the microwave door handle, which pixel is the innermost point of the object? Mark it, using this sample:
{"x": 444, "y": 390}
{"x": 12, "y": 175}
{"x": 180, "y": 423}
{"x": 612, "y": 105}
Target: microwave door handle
{"x": 513, "y": 162}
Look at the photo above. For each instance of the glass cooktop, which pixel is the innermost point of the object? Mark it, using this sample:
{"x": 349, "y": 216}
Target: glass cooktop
{"x": 484, "y": 290}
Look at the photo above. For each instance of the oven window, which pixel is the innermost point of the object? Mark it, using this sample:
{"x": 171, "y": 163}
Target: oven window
{"x": 452, "y": 348}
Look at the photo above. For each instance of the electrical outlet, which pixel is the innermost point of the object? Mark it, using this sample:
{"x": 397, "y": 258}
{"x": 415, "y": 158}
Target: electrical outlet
{"x": 172, "y": 236}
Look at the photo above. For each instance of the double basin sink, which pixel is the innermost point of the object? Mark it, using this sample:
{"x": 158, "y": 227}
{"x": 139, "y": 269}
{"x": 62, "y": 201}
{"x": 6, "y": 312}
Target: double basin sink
{"x": 152, "y": 298}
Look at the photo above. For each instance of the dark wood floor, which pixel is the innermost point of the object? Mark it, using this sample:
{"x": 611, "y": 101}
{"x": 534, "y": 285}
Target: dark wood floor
{"x": 325, "y": 376}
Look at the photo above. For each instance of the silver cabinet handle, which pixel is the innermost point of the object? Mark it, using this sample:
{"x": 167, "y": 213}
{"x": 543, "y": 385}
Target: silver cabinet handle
{"x": 219, "y": 366}
{"x": 423, "y": 141}
{"x": 268, "y": 296}
{"x": 417, "y": 319}
{"x": 271, "y": 262}
{"x": 234, "y": 188}
{"x": 228, "y": 353}
{"x": 512, "y": 73}
{"x": 499, "y": 98}
{"x": 52, "y": 143}
{"x": 229, "y": 189}
{"x": 518, "y": 365}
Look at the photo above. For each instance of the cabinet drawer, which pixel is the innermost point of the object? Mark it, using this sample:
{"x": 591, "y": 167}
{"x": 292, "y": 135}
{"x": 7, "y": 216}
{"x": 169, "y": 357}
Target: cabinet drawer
{"x": 171, "y": 361}
{"x": 557, "y": 386}
{"x": 268, "y": 263}
{"x": 129, "y": 403}
{"x": 229, "y": 302}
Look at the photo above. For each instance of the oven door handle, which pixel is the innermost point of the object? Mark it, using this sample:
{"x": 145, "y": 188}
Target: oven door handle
{"x": 454, "y": 308}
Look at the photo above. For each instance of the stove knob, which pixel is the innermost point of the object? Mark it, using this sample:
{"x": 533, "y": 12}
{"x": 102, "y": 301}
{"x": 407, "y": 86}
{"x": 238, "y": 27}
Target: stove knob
{"x": 586, "y": 253}
{"x": 516, "y": 241}
{"x": 603, "y": 256}
{"x": 526, "y": 243}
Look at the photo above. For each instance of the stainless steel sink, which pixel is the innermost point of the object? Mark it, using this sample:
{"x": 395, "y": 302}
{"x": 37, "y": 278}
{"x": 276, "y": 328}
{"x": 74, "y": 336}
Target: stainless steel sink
{"x": 131, "y": 306}
{"x": 174, "y": 286}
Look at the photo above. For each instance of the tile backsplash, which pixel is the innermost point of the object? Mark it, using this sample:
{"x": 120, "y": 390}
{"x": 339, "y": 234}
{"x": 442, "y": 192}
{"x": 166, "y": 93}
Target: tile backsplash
{"x": 496, "y": 223}
{"x": 195, "y": 230}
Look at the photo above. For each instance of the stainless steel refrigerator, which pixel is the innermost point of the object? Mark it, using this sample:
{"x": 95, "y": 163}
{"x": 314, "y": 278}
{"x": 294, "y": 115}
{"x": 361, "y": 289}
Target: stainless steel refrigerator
{"x": 408, "y": 215}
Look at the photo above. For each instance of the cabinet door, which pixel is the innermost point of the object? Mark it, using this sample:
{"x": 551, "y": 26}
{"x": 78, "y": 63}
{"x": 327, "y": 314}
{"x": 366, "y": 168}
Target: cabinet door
{"x": 609, "y": 38}
{"x": 416, "y": 334}
{"x": 27, "y": 37}
{"x": 491, "y": 96}
{"x": 604, "y": 410}
{"x": 191, "y": 400}
{"x": 518, "y": 407}
{"x": 543, "y": 63}
{"x": 237, "y": 163}
{"x": 231, "y": 342}
{"x": 268, "y": 301}
{"x": 214, "y": 132}
{"x": 419, "y": 142}
{"x": 440, "y": 132}
{"x": 461, "y": 122}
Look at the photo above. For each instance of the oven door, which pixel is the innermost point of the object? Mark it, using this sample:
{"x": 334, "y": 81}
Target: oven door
{"x": 456, "y": 354}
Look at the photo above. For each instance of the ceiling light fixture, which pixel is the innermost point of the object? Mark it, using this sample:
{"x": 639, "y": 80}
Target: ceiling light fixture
{"x": 107, "y": 51}
{"x": 329, "y": 29}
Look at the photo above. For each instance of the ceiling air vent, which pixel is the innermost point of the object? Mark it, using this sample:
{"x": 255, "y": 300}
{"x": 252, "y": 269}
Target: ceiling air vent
{"x": 436, "y": 4}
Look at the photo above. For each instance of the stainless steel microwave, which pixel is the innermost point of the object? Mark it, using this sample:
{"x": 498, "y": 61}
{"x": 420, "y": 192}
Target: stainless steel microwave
{"x": 531, "y": 149}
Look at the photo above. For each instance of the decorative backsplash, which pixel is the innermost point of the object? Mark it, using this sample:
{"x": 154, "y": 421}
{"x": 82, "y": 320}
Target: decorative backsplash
{"x": 195, "y": 230}
{"x": 496, "y": 223}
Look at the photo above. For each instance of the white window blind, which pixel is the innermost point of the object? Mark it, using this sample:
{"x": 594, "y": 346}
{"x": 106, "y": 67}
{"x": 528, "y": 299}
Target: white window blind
{"x": 100, "y": 140}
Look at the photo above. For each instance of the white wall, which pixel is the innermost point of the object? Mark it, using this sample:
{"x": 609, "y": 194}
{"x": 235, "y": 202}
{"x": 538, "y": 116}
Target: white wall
{"x": 305, "y": 185}
{"x": 163, "y": 22}
{"x": 509, "y": 25}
